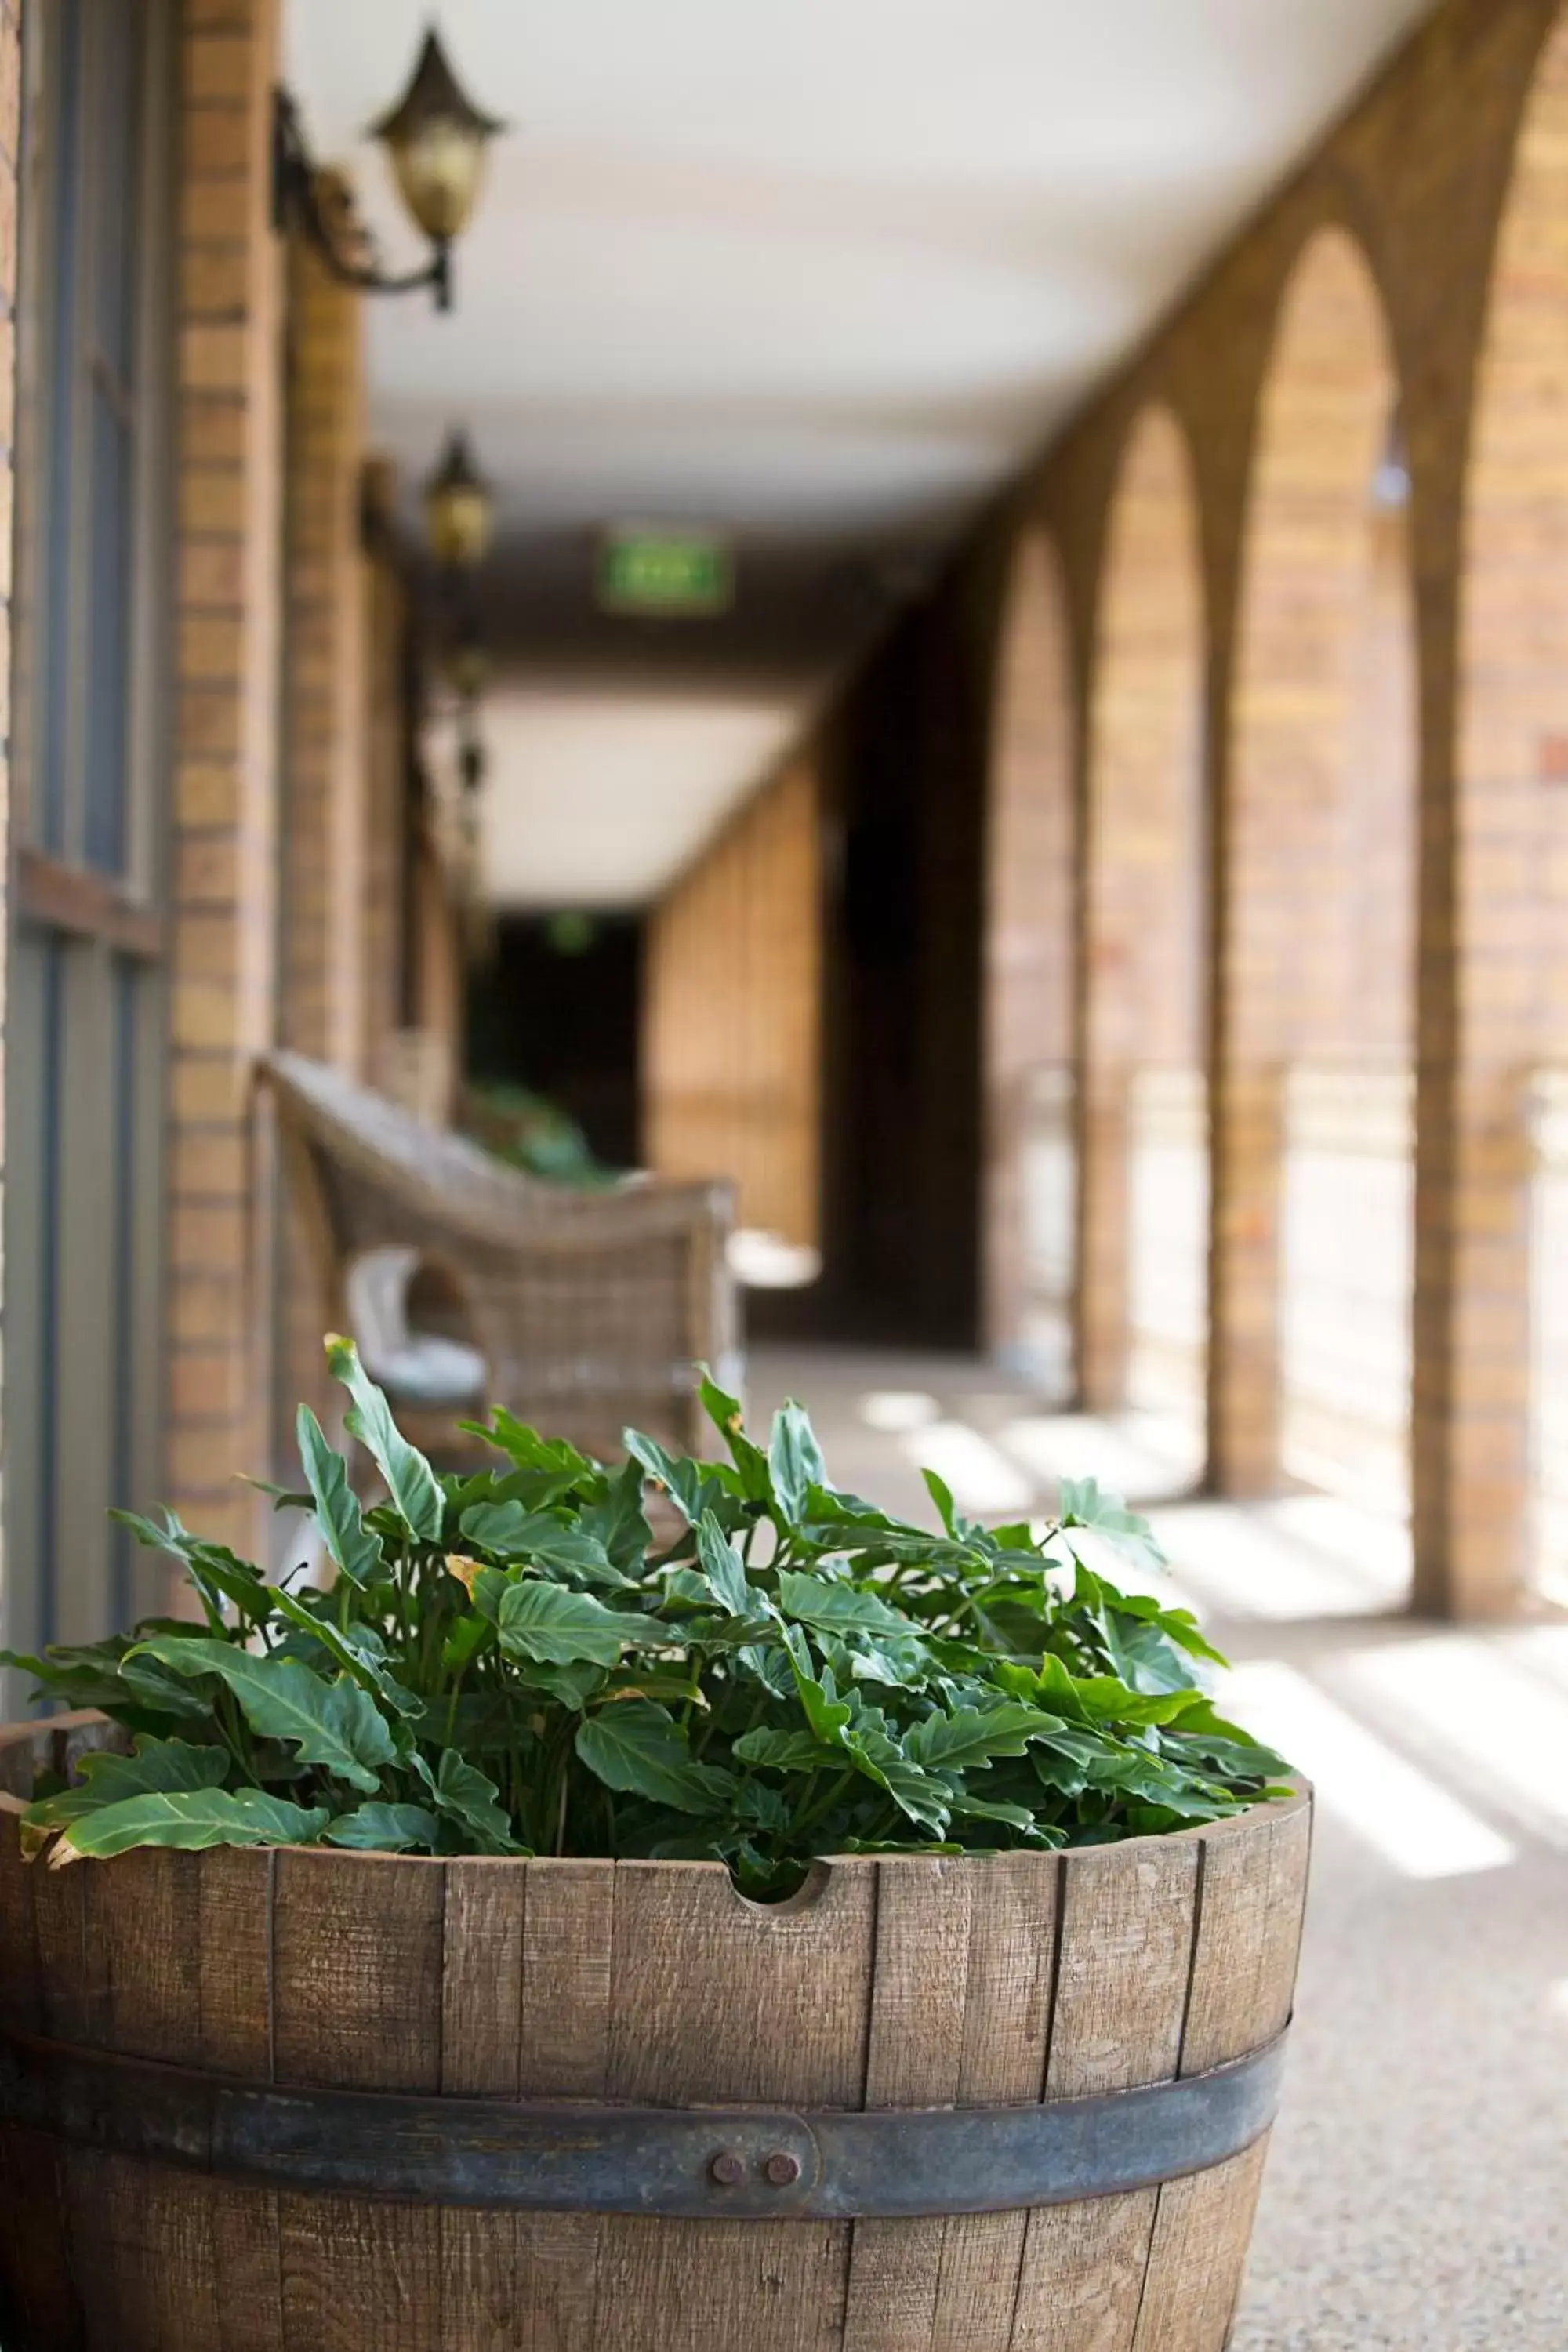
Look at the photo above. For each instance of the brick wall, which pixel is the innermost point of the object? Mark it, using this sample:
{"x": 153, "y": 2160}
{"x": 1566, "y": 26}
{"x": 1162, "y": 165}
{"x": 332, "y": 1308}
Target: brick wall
{"x": 225, "y": 789}
{"x": 1425, "y": 286}
{"x": 326, "y": 589}
{"x": 324, "y": 769}
{"x": 1141, "y": 990}
{"x": 1316, "y": 929}
{"x": 1418, "y": 176}
{"x": 1031, "y": 850}
{"x": 386, "y": 781}
{"x": 731, "y": 1046}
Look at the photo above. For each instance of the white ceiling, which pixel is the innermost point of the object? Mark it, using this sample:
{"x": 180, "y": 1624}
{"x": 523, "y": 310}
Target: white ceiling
{"x": 577, "y": 792}
{"x": 820, "y": 272}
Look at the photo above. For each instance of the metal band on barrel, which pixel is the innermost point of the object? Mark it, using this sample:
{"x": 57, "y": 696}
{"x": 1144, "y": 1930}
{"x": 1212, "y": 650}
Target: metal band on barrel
{"x": 715, "y": 2162}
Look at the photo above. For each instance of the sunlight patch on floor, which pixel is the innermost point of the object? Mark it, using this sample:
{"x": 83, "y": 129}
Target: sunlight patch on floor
{"x": 1460, "y": 1696}
{"x": 1387, "y": 1802}
{"x": 894, "y": 1411}
{"x": 1251, "y": 1561}
{"x": 983, "y": 1481}
{"x": 1140, "y": 1456}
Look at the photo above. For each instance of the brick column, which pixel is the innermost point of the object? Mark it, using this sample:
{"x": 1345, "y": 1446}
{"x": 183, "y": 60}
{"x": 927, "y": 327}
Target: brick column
{"x": 323, "y": 917}
{"x": 224, "y": 803}
{"x": 1493, "y": 966}
{"x": 1031, "y": 855}
{"x": 386, "y": 775}
{"x": 1140, "y": 983}
{"x": 1296, "y": 797}
{"x": 1102, "y": 1334}
{"x": 1249, "y": 1162}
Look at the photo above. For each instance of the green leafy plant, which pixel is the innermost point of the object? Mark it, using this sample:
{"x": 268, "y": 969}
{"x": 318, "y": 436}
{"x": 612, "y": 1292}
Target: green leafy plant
{"x": 533, "y": 1133}
{"x": 514, "y": 1662}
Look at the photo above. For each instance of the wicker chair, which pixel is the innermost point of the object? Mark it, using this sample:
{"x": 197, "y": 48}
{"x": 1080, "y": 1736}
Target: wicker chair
{"x": 590, "y": 1308}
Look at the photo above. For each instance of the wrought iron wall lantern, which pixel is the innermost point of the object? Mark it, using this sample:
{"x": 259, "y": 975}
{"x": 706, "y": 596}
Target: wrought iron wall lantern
{"x": 435, "y": 139}
{"x": 459, "y": 510}
{"x": 460, "y": 518}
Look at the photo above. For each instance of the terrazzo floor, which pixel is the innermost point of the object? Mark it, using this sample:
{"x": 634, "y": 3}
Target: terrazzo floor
{"x": 1417, "y": 2195}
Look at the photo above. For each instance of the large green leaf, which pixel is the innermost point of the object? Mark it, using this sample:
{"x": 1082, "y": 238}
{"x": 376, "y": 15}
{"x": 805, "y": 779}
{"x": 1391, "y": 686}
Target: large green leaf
{"x": 413, "y": 1485}
{"x": 1083, "y": 1504}
{"x": 784, "y": 1751}
{"x": 375, "y": 1828}
{"x": 620, "y": 1522}
{"x": 981, "y": 1809}
{"x": 826, "y": 1712}
{"x": 572, "y": 1686}
{"x": 794, "y": 1460}
{"x": 512, "y": 1533}
{"x": 352, "y": 1548}
{"x": 218, "y": 1574}
{"x": 941, "y": 1494}
{"x": 153, "y": 1765}
{"x": 924, "y": 1798}
{"x": 467, "y": 1796}
{"x": 1202, "y": 1731}
{"x": 728, "y": 1418}
{"x": 552, "y": 1458}
{"x": 639, "y": 1748}
{"x": 970, "y": 1737}
{"x": 191, "y": 1820}
{"x": 832, "y": 1607}
{"x": 98, "y": 1676}
{"x": 686, "y": 1483}
{"x": 356, "y": 1650}
{"x": 724, "y": 1571}
{"x": 1102, "y": 1698}
{"x": 336, "y": 1725}
{"x": 1143, "y": 1657}
{"x": 556, "y": 1627}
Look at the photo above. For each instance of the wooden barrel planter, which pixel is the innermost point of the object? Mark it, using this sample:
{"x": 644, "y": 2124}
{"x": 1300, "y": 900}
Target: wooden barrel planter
{"x": 310, "y": 2101}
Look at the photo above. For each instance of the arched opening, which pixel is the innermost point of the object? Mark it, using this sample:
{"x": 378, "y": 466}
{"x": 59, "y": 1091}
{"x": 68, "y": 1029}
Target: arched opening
{"x": 1028, "y": 1014}
{"x": 1493, "y": 1511}
{"x": 1315, "y": 1097}
{"x": 1143, "y": 1185}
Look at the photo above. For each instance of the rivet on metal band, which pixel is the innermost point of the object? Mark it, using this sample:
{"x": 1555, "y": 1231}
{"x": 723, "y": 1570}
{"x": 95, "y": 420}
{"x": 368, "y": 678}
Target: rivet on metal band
{"x": 735, "y": 2162}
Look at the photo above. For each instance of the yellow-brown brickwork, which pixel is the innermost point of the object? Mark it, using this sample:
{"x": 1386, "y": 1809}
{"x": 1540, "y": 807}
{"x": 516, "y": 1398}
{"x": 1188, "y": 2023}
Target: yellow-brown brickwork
{"x": 1031, "y": 852}
{"x": 326, "y": 586}
{"x": 225, "y": 796}
{"x": 731, "y": 1047}
{"x": 386, "y": 653}
{"x": 324, "y": 769}
{"x": 1316, "y": 931}
{"x": 1142, "y": 993}
{"x": 1468, "y": 258}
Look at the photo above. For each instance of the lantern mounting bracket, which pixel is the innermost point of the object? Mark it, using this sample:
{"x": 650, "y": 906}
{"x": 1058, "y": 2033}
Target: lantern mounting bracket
{"x": 344, "y": 243}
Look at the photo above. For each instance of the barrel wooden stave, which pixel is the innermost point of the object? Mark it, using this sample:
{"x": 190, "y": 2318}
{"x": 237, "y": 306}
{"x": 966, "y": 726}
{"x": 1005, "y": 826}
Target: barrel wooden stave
{"x": 900, "y": 1981}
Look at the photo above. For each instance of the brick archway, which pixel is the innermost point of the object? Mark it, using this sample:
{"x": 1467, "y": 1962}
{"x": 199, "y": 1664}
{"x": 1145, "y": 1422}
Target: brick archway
{"x": 1510, "y": 918}
{"x": 1028, "y": 980}
{"x": 1314, "y": 1017}
{"x": 1142, "y": 1113}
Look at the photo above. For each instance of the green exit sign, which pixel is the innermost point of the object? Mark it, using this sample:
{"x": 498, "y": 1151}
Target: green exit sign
{"x": 652, "y": 570}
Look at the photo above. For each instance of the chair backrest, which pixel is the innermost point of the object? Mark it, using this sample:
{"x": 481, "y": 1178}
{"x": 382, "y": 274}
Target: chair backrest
{"x": 591, "y": 1308}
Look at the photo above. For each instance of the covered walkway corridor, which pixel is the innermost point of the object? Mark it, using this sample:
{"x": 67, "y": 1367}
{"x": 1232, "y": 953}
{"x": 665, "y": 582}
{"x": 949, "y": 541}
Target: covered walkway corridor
{"x": 873, "y": 692}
